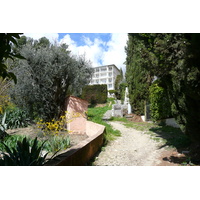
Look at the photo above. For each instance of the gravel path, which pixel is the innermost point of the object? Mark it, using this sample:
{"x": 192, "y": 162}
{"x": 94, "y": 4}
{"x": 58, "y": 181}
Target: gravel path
{"x": 133, "y": 148}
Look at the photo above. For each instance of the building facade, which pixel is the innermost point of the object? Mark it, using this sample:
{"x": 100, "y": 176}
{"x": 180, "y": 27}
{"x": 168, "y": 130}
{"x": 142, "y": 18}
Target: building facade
{"x": 105, "y": 75}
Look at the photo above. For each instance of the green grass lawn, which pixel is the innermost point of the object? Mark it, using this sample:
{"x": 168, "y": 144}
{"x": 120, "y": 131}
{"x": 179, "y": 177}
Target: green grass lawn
{"x": 95, "y": 114}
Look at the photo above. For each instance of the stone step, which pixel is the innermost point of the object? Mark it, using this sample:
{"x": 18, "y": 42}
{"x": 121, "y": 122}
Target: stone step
{"x": 107, "y": 115}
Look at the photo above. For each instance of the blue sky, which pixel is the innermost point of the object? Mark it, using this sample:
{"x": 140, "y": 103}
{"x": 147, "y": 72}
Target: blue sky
{"x": 99, "y": 48}
{"x": 78, "y": 36}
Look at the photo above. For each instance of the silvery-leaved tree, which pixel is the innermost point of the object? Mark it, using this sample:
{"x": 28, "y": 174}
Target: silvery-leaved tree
{"x": 46, "y": 76}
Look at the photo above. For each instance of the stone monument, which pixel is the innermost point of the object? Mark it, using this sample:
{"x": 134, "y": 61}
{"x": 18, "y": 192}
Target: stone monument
{"x": 126, "y": 101}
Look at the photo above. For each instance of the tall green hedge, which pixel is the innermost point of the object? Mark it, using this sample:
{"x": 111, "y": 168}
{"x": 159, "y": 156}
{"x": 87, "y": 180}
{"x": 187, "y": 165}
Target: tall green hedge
{"x": 95, "y": 93}
{"x": 160, "y": 106}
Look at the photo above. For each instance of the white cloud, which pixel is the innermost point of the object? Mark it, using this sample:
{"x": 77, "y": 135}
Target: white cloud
{"x": 72, "y": 44}
{"x": 92, "y": 50}
{"x": 98, "y": 51}
{"x": 116, "y": 50}
{"x": 95, "y": 50}
{"x": 51, "y": 36}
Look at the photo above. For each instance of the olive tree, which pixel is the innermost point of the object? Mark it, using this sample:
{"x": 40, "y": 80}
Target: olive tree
{"x": 45, "y": 78}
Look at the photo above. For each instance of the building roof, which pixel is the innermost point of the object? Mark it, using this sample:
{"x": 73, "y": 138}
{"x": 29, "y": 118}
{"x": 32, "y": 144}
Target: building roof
{"x": 108, "y": 65}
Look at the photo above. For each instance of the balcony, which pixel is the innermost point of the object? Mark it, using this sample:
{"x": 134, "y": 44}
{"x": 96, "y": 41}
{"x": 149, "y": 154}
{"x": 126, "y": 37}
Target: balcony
{"x": 103, "y": 74}
{"x": 104, "y": 69}
{"x": 102, "y": 81}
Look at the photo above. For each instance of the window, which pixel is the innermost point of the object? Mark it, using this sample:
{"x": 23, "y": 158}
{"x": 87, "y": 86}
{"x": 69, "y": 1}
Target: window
{"x": 97, "y": 75}
{"x": 110, "y": 68}
{"x": 110, "y": 80}
{"x": 103, "y": 80}
{"x": 109, "y": 85}
{"x": 103, "y": 69}
{"x": 110, "y": 74}
{"x": 97, "y": 81}
{"x": 97, "y": 70}
{"x": 103, "y": 74}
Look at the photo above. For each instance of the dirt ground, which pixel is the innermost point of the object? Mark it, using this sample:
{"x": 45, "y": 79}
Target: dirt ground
{"x": 169, "y": 157}
{"x": 135, "y": 118}
{"x": 134, "y": 148}
{"x": 32, "y": 132}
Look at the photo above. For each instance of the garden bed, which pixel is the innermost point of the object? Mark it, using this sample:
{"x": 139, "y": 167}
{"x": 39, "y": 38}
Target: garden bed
{"x": 55, "y": 142}
{"x": 82, "y": 153}
{"x": 33, "y": 132}
{"x": 82, "y": 146}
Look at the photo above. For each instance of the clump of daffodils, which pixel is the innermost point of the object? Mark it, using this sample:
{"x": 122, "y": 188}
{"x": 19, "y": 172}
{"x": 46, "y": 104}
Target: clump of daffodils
{"x": 54, "y": 127}
{"x": 57, "y": 127}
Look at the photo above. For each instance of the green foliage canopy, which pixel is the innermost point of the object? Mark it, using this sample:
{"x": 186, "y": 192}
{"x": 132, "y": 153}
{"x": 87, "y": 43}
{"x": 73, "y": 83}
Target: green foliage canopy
{"x": 174, "y": 59}
{"x": 46, "y": 76}
{"x": 6, "y": 52}
{"x": 137, "y": 77}
{"x": 160, "y": 105}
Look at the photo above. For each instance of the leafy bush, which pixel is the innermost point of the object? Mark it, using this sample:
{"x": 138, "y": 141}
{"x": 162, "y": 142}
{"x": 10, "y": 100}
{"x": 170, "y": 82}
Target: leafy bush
{"x": 112, "y": 91}
{"x": 24, "y": 154}
{"x": 4, "y": 99}
{"x": 122, "y": 88}
{"x": 17, "y": 118}
{"x": 95, "y": 93}
{"x": 159, "y": 103}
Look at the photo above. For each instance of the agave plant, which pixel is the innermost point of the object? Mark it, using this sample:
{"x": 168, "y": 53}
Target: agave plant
{"x": 3, "y": 127}
{"x": 17, "y": 118}
{"x": 24, "y": 154}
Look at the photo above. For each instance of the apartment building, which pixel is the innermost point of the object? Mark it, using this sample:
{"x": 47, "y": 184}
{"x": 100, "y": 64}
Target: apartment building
{"x": 105, "y": 75}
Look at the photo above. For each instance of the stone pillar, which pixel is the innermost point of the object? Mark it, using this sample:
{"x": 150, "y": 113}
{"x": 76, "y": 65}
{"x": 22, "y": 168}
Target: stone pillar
{"x": 113, "y": 111}
{"x": 129, "y": 108}
{"x": 126, "y": 101}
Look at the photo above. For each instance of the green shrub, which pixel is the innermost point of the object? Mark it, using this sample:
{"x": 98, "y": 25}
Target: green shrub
{"x": 159, "y": 103}
{"x": 16, "y": 118}
{"x": 95, "y": 93}
{"x": 24, "y": 154}
{"x": 122, "y": 88}
{"x": 112, "y": 91}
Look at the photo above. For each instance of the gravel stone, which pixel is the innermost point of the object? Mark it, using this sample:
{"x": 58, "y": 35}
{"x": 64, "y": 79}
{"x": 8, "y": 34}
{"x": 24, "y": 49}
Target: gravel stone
{"x": 133, "y": 148}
